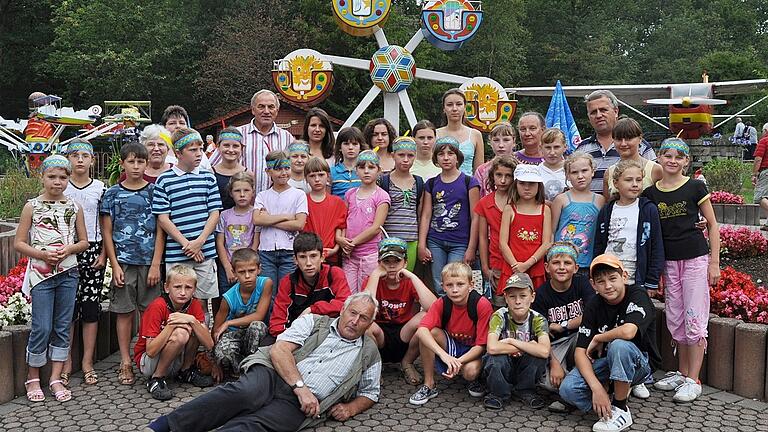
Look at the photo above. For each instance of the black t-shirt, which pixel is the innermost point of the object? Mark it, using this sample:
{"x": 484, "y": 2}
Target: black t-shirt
{"x": 222, "y": 181}
{"x": 562, "y": 306}
{"x": 635, "y": 308}
{"x": 679, "y": 212}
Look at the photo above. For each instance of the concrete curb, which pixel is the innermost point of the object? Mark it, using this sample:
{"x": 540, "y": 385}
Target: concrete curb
{"x": 749, "y": 365}
{"x": 18, "y": 355}
{"x": 722, "y": 333}
{"x": 6, "y": 367}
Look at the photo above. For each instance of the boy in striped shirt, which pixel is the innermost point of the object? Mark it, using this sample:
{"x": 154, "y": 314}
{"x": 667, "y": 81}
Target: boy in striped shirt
{"x": 186, "y": 202}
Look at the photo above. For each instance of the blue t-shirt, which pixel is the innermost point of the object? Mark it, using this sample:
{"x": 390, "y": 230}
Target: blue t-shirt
{"x": 237, "y": 308}
{"x": 133, "y": 224}
{"x": 451, "y": 217}
{"x": 343, "y": 179}
{"x": 189, "y": 198}
{"x": 577, "y": 224}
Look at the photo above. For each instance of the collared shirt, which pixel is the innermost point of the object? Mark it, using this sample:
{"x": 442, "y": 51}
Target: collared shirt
{"x": 343, "y": 179}
{"x": 328, "y": 365}
{"x": 256, "y": 147}
{"x": 188, "y": 198}
{"x": 607, "y": 158}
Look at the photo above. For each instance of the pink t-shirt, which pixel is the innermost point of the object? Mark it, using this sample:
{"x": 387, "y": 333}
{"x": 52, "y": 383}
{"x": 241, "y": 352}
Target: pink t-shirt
{"x": 360, "y": 216}
{"x": 481, "y": 175}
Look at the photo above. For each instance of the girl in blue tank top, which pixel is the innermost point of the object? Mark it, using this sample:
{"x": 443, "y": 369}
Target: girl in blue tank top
{"x": 574, "y": 213}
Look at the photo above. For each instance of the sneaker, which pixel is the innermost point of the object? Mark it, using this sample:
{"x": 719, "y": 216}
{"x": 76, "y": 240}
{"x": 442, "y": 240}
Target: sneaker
{"x": 531, "y": 399}
{"x": 194, "y": 377}
{"x": 671, "y": 381}
{"x": 687, "y": 391}
{"x": 561, "y": 407}
{"x": 640, "y": 391}
{"x": 476, "y": 389}
{"x": 422, "y": 395}
{"x": 493, "y": 403}
{"x": 619, "y": 421}
{"x": 158, "y": 388}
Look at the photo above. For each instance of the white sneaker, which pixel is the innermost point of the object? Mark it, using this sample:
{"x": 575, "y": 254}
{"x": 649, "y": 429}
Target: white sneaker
{"x": 640, "y": 391}
{"x": 619, "y": 421}
{"x": 671, "y": 381}
{"x": 687, "y": 391}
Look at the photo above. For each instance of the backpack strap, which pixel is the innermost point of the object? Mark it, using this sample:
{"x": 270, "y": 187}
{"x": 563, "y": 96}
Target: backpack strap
{"x": 474, "y": 299}
{"x": 419, "y": 190}
{"x": 447, "y": 309}
{"x": 531, "y": 335}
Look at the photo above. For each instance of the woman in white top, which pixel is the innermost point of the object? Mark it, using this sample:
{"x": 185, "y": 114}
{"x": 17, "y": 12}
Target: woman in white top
{"x": 470, "y": 140}
{"x": 627, "y": 135}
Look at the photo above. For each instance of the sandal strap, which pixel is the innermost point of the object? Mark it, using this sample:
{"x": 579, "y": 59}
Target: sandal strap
{"x": 50, "y": 384}
{"x": 31, "y": 381}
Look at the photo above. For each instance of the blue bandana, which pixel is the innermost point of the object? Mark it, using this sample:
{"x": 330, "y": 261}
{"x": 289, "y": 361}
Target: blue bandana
{"x": 675, "y": 144}
{"x": 186, "y": 140}
{"x": 278, "y": 164}
{"x": 231, "y": 136}
{"x": 56, "y": 161}
{"x": 77, "y": 146}
{"x": 298, "y": 147}
{"x": 368, "y": 156}
{"x": 404, "y": 143}
{"x": 563, "y": 248}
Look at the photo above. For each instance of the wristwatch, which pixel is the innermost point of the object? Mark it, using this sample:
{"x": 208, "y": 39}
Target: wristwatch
{"x": 299, "y": 384}
{"x": 564, "y": 325}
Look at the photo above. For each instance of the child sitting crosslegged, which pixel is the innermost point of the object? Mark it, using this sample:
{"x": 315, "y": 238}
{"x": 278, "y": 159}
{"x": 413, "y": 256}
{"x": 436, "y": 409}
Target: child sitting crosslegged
{"x": 518, "y": 347}
{"x": 561, "y": 300}
{"x": 454, "y": 330}
{"x": 401, "y": 296}
{"x": 172, "y": 328}
{"x": 239, "y": 325}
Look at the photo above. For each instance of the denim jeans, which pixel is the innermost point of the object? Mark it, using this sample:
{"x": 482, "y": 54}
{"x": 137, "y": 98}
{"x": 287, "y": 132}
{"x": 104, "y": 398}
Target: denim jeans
{"x": 623, "y": 362}
{"x": 276, "y": 265}
{"x": 503, "y": 373}
{"x": 443, "y": 252}
{"x": 53, "y": 304}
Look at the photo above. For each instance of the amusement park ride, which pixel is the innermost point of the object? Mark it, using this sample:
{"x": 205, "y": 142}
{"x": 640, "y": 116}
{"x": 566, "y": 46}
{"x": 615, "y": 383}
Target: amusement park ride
{"x": 305, "y": 76}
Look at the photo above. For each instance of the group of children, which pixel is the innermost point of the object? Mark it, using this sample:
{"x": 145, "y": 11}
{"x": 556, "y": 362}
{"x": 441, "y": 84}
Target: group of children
{"x": 535, "y": 230}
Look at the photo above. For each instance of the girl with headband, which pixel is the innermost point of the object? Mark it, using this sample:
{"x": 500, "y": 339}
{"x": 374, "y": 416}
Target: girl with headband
{"x": 230, "y": 147}
{"x": 51, "y": 233}
{"x": 368, "y": 208}
{"x": 298, "y": 153}
{"x": 692, "y": 265}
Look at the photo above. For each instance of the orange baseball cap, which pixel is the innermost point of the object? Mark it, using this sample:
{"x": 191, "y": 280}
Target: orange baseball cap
{"x": 606, "y": 259}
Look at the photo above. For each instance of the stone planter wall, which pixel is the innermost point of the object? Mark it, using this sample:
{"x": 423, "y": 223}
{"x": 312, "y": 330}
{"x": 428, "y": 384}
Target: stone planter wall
{"x": 737, "y": 214}
{"x": 8, "y": 255}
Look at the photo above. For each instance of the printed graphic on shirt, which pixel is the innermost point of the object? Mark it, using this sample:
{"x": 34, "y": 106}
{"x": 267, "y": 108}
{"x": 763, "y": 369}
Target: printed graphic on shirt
{"x": 571, "y": 233}
{"x": 444, "y": 219}
{"x": 631, "y": 307}
{"x": 528, "y": 235}
{"x": 237, "y": 231}
{"x": 565, "y": 312}
{"x": 677, "y": 209}
{"x": 390, "y": 311}
{"x": 614, "y": 230}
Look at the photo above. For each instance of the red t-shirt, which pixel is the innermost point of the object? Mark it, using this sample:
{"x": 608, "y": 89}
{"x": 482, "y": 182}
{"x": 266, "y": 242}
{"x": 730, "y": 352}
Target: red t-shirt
{"x": 153, "y": 321}
{"x": 324, "y": 218}
{"x": 395, "y": 306}
{"x": 486, "y": 208}
{"x": 761, "y": 150}
{"x": 460, "y": 327}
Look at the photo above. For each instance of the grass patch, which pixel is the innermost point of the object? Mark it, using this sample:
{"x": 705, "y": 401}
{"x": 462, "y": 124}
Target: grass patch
{"x": 748, "y": 190}
{"x": 15, "y": 190}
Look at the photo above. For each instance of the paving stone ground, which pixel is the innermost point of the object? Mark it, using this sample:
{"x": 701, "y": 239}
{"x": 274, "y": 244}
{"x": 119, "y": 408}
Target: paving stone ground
{"x": 108, "y": 406}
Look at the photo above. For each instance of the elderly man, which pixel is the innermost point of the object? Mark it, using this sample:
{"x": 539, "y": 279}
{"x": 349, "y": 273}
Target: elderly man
{"x": 603, "y": 112}
{"x": 318, "y": 367}
{"x": 260, "y": 136}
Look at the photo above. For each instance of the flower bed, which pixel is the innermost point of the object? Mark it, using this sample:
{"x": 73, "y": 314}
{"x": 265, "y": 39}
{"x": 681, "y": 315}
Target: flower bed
{"x": 15, "y": 307}
{"x": 742, "y": 242}
{"x": 737, "y": 296}
{"x": 723, "y": 197}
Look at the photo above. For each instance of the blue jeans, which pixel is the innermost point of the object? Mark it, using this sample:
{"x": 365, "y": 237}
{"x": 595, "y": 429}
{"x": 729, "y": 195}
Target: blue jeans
{"x": 443, "y": 252}
{"x": 276, "y": 265}
{"x": 503, "y": 373}
{"x": 53, "y": 304}
{"x": 623, "y": 362}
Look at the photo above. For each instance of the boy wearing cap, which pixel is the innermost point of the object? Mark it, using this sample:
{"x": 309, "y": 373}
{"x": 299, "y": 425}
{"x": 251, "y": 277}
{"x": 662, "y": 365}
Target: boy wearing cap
{"x": 561, "y": 300}
{"x": 186, "y": 202}
{"x": 518, "y": 347}
{"x": 453, "y": 333}
{"x": 616, "y": 344}
{"x": 402, "y": 296}
{"x": 298, "y": 153}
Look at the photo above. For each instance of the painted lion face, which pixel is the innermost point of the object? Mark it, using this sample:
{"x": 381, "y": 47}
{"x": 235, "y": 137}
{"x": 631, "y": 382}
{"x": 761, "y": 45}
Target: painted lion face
{"x": 301, "y": 68}
{"x": 487, "y": 99}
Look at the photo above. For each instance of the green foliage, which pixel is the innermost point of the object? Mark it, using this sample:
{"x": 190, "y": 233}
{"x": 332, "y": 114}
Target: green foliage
{"x": 15, "y": 190}
{"x": 725, "y": 174}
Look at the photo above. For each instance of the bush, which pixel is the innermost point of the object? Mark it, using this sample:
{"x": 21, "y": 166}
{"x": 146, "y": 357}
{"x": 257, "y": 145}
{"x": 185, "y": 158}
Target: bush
{"x": 742, "y": 242}
{"x": 737, "y": 296}
{"x": 725, "y": 174}
{"x": 15, "y": 190}
{"x": 723, "y": 197}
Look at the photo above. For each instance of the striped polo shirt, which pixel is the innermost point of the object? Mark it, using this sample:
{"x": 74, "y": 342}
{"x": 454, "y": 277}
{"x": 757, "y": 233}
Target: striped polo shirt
{"x": 255, "y": 148}
{"x": 189, "y": 198}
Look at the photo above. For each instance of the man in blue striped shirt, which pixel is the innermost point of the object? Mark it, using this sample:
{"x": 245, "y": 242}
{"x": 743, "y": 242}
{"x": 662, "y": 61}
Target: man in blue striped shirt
{"x": 186, "y": 202}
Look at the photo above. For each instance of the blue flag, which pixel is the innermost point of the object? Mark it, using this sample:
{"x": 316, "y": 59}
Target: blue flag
{"x": 559, "y": 116}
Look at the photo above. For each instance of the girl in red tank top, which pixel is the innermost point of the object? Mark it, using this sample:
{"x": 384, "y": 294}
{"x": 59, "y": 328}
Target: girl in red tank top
{"x": 526, "y": 227}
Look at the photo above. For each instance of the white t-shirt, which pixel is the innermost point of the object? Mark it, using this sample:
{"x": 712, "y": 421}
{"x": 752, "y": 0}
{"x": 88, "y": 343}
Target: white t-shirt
{"x": 299, "y": 184}
{"x": 89, "y": 198}
{"x": 622, "y": 236}
{"x": 554, "y": 181}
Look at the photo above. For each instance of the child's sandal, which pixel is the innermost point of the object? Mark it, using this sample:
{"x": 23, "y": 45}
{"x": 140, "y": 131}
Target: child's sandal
{"x": 36, "y": 395}
{"x": 65, "y": 379}
{"x": 91, "y": 377}
{"x": 126, "y": 376}
{"x": 61, "y": 395}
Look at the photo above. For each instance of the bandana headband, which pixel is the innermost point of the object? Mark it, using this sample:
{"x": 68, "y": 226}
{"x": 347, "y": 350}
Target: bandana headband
{"x": 56, "y": 161}
{"x": 187, "y": 139}
{"x": 231, "y": 136}
{"x": 675, "y": 144}
{"x": 278, "y": 164}
{"x": 79, "y": 146}
{"x": 404, "y": 143}
{"x": 298, "y": 147}
{"x": 393, "y": 242}
{"x": 369, "y": 156}
{"x": 559, "y": 249}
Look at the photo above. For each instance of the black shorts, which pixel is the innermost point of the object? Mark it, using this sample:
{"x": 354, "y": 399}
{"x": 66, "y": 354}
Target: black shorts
{"x": 394, "y": 348}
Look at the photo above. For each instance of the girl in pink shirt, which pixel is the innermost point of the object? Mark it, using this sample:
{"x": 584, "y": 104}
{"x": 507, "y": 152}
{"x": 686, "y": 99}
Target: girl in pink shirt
{"x": 368, "y": 208}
